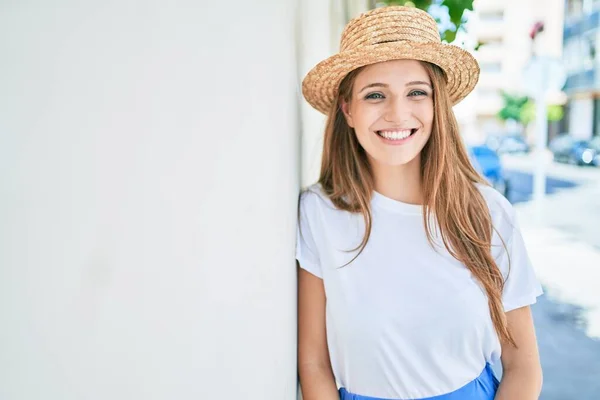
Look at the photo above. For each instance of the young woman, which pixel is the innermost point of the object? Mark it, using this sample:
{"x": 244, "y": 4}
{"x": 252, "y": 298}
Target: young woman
{"x": 414, "y": 277}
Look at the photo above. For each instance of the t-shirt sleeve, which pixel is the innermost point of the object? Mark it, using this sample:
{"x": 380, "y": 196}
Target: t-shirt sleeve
{"x": 521, "y": 286}
{"x": 306, "y": 249}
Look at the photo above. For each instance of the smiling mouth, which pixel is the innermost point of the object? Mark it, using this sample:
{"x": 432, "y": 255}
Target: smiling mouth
{"x": 399, "y": 134}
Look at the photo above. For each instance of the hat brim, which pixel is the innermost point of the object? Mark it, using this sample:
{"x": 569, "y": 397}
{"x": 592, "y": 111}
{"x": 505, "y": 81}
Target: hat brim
{"x": 320, "y": 85}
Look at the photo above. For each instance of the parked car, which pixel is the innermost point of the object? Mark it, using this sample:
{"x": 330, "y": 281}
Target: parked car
{"x": 512, "y": 143}
{"x": 595, "y": 144}
{"x": 487, "y": 162}
{"x": 566, "y": 148}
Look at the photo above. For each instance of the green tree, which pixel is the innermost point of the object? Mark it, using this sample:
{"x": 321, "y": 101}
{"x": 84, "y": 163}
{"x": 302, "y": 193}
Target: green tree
{"x": 522, "y": 109}
{"x": 513, "y": 107}
{"x": 455, "y": 9}
{"x": 554, "y": 112}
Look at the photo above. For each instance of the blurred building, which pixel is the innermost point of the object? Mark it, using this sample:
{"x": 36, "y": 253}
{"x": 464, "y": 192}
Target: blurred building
{"x": 502, "y": 31}
{"x": 582, "y": 116}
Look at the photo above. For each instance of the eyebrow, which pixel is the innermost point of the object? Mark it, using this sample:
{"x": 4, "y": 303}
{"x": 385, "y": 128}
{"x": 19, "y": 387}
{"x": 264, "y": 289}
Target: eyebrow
{"x": 384, "y": 85}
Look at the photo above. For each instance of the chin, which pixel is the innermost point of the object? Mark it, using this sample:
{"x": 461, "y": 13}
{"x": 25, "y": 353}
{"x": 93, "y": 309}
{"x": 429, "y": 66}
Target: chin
{"x": 395, "y": 161}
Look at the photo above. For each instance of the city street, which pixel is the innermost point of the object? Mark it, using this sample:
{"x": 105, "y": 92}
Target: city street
{"x": 563, "y": 238}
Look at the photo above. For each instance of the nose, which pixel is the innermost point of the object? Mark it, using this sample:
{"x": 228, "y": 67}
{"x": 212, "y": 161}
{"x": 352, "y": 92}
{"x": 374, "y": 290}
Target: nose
{"x": 398, "y": 110}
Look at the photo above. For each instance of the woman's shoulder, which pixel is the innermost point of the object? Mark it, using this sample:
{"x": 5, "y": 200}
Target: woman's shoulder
{"x": 315, "y": 204}
{"x": 314, "y": 196}
{"x": 501, "y": 210}
{"x": 316, "y": 189}
{"x": 494, "y": 198}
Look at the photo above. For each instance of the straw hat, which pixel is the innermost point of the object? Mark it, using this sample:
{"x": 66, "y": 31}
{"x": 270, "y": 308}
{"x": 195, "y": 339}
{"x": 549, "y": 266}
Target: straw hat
{"x": 384, "y": 34}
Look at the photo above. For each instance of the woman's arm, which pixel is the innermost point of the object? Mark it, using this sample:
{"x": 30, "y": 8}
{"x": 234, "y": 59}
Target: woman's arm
{"x": 522, "y": 372}
{"x": 316, "y": 377}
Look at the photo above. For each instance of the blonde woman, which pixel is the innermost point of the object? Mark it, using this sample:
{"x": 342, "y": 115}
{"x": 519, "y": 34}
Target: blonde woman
{"x": 413, "y": 276}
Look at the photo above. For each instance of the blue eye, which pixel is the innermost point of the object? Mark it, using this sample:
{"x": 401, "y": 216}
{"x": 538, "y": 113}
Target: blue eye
{"x": 417, "y": 93}
{"x": 375, "y": 96}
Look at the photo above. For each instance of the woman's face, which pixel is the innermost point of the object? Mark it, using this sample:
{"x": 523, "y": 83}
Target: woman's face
{"x": 391, "y": 110}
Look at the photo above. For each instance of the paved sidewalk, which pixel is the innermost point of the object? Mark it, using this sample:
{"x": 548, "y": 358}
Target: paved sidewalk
{"x": 564, "y": 247}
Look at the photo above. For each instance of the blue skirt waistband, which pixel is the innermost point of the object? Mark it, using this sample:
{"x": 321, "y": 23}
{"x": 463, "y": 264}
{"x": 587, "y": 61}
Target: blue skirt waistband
{"x": 483, "y": 387}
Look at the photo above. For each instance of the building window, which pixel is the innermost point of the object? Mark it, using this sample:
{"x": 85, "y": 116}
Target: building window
{"x": 574, "y": 8}
{"x": 491, "y": 16}
{"x": 568, "y": 56}
{"x": 588, "y": 50}
{"x": 589, "y": 6}
{"x": 580, "y": 53}
{"x": 596, "y": 123}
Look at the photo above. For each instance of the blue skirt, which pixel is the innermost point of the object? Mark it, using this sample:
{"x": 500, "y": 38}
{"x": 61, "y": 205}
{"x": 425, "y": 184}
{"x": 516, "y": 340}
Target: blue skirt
{"x": 483, "y": 387}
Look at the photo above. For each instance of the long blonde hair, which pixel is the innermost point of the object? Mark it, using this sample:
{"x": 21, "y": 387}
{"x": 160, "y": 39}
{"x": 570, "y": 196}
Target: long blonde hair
{"x": 449, "y": 190}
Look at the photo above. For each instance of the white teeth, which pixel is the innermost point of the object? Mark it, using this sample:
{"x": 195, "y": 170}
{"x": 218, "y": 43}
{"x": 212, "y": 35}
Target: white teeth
{"x": 396, "y": 135}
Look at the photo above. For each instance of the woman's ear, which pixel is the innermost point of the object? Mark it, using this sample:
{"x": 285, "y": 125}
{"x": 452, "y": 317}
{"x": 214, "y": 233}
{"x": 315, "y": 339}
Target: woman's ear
{"x": 345, "y": 106}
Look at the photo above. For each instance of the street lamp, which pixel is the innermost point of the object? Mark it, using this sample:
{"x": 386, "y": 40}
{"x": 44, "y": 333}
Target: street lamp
{"x": 542, "y": 76}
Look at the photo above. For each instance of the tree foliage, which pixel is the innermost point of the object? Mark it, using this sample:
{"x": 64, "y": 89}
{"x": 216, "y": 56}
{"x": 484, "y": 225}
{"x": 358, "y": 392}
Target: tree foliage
{"x": 522, "y": 109}
{"x": 513, "y": 107}
{"x": 455, "y": 10}
{"x": 554, "y": 112}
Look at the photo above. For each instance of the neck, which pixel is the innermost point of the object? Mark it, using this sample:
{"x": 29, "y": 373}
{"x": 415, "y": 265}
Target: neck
{"x": 399, "y": 182}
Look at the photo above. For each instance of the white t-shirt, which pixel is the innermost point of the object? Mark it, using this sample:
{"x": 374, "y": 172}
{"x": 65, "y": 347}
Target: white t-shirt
{"x": 405, "y": 321}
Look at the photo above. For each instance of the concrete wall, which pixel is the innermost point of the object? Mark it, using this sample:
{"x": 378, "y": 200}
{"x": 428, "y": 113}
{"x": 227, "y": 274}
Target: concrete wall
{"x": 581, "y": 118}
{"x": 318, "y": 42}
{"x": 149, "y": 174}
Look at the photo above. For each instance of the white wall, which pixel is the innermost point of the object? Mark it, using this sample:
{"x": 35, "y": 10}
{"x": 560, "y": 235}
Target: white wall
{"x": 317, "y": 43}
{"x": 322, "y": 24}
{"x": 581, "y": 118}
{"x": 148, "y": 178}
